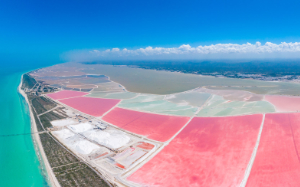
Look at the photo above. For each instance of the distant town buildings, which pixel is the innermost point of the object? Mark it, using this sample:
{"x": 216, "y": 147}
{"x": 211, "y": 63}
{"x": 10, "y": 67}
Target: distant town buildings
{"x": 286, "y": 78}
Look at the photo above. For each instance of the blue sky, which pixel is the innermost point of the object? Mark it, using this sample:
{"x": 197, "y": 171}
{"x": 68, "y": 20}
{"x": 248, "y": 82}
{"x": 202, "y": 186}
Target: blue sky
{"x": 36, "y": 30}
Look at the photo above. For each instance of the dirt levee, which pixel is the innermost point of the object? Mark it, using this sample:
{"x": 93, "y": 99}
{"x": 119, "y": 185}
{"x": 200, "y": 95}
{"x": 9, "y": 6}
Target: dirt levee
{"x": 234, "y": 95}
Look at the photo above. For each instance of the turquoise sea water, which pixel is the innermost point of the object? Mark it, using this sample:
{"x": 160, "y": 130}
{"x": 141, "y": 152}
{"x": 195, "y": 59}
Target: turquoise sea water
{"x": 19, "y": 163}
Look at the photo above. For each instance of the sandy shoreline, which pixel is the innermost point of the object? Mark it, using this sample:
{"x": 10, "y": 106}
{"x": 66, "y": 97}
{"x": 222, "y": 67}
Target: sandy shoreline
{"x": 52, "y": 178}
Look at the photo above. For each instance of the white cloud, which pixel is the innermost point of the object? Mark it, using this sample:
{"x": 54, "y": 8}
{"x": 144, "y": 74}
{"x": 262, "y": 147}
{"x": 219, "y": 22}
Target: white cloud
{"x": 185, "y": 51}
{"x": 115, "y": 50}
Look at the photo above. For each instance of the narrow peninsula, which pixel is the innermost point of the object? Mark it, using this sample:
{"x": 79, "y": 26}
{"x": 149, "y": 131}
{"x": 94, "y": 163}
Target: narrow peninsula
{"x": 62, "y": 166}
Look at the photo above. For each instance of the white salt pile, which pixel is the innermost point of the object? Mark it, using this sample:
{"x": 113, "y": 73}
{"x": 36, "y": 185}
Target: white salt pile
{"x": 110, "y": 138}
{"x": 63, "y": 122}
{"x": 63, "y": 134}
{"x": 80, "y": 127}
{"x": 75, "y": 142}
{"x": 82, "y": 146}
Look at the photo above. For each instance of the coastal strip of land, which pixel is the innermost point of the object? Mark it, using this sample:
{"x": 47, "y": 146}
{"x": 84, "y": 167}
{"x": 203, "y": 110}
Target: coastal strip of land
{"x": 62, "y": 166}
{"x": 52, "y": 178}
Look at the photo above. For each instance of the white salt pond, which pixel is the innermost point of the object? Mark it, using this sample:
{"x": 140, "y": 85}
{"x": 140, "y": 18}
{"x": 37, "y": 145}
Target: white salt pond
{"x": 81, "y": 127}
{"x": 63, "y": 122}
{"x": 130, "y": 159}
{"x": 110, "y": 138}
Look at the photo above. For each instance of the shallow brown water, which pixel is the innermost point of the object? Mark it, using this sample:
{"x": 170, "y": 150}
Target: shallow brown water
{"x": 162, "y": 82}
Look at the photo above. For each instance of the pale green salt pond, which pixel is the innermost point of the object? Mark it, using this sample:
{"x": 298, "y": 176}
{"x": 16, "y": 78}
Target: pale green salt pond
{"x": 214, "y": 101}
{"x": 120, "y": 95}
{"x": 97, "y": 94}
{"x": 156, "y": 104}
{"x": 144, "y": 98}
{"x": 190, "y": 98}
{"x": 221, "y": 108}
{"x": 113, "y": 95}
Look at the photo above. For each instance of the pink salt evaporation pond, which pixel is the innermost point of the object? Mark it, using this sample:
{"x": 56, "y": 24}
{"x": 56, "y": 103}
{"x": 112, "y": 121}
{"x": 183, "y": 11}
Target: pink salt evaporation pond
{"x": 210, "y": 151}
{"x": 284, "y": 103}
{"x": 154, "y": 126}
{"x": 66, "y": 94}
{"x": 277, "y": 160}
{"x": 92, "y": 106}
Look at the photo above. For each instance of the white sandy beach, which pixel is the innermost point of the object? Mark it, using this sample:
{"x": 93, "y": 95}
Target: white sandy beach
{"x": 52, "y": 178}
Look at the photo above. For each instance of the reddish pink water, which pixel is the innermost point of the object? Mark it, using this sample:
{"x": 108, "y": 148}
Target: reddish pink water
{"x": 277, "y": 159}
{"x": 92, "y": 106}
{"x": 154, "y": 126}
{"x": 208, "y": 152}
{"x": 284, "y": 103}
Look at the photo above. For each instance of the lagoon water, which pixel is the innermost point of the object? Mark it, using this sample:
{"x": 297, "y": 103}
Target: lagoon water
{"x": 19, "y": 163}
{"x": 163, "y": 82}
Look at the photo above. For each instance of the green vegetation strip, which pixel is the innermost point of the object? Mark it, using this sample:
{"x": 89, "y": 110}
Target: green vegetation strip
{"x": 41, "y": 104}
{"x": 28, "y": 81}
{"x": 48, "y": 117}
